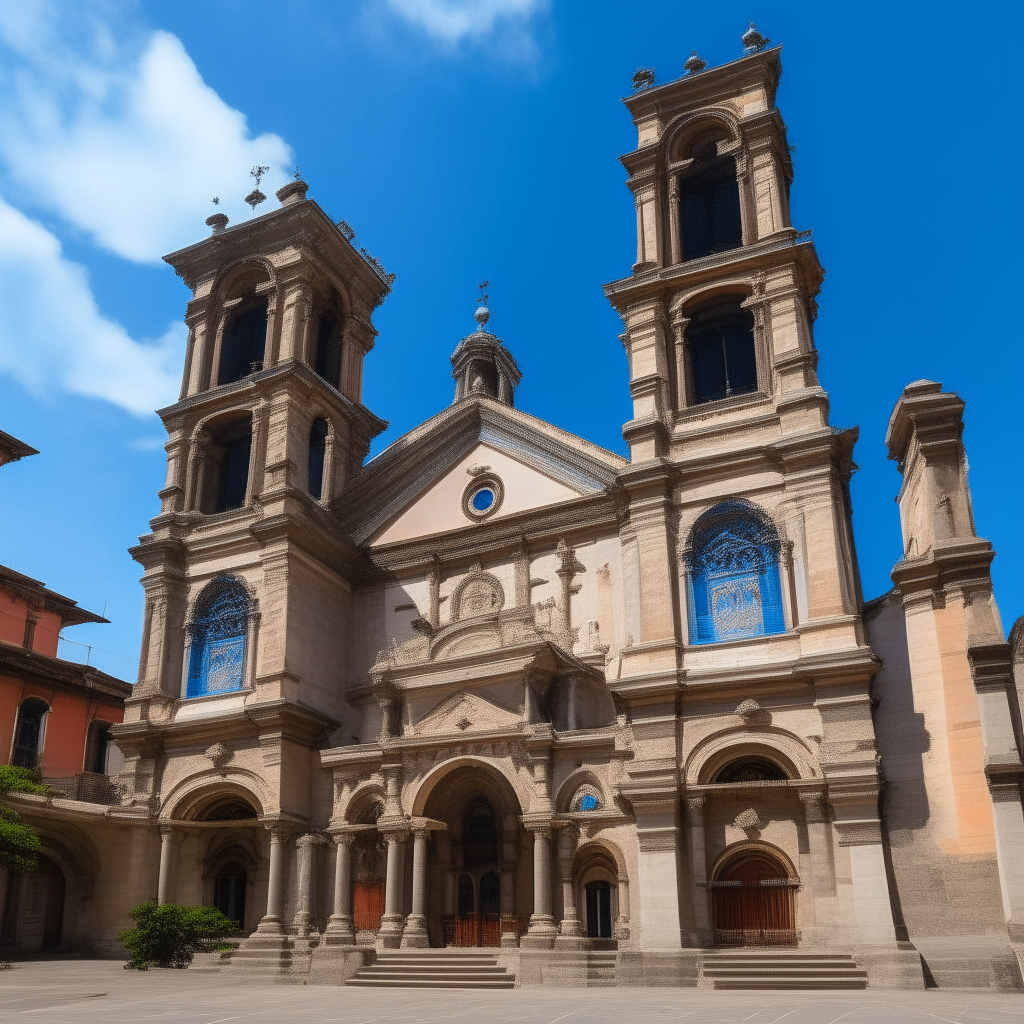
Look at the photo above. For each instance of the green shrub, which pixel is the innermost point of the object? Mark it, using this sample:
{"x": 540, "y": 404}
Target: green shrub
{"x": 170, "y": 934}
{"x": 19, "y": 843}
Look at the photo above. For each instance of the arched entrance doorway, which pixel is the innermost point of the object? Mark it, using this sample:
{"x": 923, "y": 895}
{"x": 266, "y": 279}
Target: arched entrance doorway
{"x": 229, "y": 892}
{"x": 754, "y": 902}
{"x": 34, "y": 913}
{"x": 473, "y": 891}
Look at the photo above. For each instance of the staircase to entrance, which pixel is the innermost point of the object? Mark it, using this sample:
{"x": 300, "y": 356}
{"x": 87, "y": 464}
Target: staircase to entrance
{"x": 434, "y": 968}
{"x": 781, "y": 969}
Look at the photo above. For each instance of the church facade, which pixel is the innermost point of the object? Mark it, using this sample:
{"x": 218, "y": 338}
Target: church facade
{"x": 500, "y": 688}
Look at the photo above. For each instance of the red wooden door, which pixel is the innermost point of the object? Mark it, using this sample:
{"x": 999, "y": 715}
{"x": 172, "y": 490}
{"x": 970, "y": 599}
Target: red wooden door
{"x": 367, "y": 905}
{"x": 754, "y": 905}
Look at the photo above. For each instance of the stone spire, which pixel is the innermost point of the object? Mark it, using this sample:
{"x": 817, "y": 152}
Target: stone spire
{"x": 481, "y": 365}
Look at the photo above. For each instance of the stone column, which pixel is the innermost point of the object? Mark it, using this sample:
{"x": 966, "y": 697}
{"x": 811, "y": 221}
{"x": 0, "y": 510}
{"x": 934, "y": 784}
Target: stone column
{"x": 570, "y": 931}
{"x": 168, "y": 838}
{"x": 674, "y": 234}
{"x": 271, "y": 922}
{"x": 303, "y": 920}
{"x": 699, "y": 870}
{"x": 340, "y": 929}
{"x": 542, "y": 932}
{"x": 679, "y": 323}
{"x": 819, "y": 842}
{"x": 416, "y": 923}
{"x": 391, "y": 924}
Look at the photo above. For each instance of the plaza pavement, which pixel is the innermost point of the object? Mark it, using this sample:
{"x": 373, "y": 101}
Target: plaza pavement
{"x": 62, "y": 991}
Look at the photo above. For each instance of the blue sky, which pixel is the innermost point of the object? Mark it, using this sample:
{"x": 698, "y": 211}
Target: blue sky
{"x": 468, "y": 141}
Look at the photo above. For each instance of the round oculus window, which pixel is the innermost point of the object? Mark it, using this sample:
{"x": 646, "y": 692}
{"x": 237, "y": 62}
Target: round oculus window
{"x": 482, "y": 497}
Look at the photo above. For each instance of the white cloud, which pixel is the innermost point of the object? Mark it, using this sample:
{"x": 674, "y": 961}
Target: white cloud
{"x": 452, "y": 21}
{"x": 124, "y": 141}
{"x": 53, "y": 337}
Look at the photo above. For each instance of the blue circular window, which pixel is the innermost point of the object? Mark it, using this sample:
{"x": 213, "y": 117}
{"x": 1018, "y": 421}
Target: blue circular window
{"x": 483, "y": 499}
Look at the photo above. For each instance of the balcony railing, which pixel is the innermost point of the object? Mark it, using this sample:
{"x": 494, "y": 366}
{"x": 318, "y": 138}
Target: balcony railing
{"x": 91, "y": 787}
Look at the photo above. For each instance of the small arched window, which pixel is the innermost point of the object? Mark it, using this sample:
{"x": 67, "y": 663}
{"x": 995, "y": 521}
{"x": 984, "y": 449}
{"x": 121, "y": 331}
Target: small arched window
{"x": 241, "y": 349}
{"x": 734, "y": 588}
{"x": 720, "y": 343}
{"x": 28, "y": 733}
{"x": 709, "y": 204}
{"x": 328, "y": 349}
{"x": 218, "y": 634}
{"x": 317, "y": 454}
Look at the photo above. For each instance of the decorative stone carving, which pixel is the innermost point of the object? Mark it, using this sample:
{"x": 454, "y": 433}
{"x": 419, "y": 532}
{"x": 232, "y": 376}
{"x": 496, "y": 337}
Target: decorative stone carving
{"x": 466, "y": 711}
{"x": 750, "y": 821}
{"x": 750, "y": 711}
{"x": 219, "y": 754}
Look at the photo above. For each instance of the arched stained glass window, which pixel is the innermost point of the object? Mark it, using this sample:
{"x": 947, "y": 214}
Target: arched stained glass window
{"x": 218, "y": 633}
{"x": 734, "y": 588}
{"x": 586, "y": 798}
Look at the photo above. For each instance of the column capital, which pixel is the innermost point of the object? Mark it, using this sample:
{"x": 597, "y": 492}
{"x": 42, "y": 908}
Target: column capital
{"x": 310, "y": 839}
{"x": 695, "y": 805}
{"x": 344, "y": 838}
{"x": 169, "y": 832}
{"x": 815, "y": 808}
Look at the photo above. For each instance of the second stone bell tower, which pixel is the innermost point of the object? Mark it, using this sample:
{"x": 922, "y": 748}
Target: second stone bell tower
{"x": 244, "y": 563}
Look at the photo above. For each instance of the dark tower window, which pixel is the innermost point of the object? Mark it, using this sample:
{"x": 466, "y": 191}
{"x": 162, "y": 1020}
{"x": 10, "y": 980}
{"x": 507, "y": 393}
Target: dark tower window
{"x": 317, "y": 452}
{"x": 720, "y": 339}
{"x": 710, "y": 205}
{"x": 228, "y": 466}
{"x": 481, "y": 836}
{"x": 241, "y": 351}
{"x": 28, "y": 733}
{"x": 328, "y": 349}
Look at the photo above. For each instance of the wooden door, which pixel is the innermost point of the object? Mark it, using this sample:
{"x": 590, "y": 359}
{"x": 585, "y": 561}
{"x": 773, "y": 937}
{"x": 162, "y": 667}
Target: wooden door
{"x": 754, "y": 905}
{"x": 367, "y": 905}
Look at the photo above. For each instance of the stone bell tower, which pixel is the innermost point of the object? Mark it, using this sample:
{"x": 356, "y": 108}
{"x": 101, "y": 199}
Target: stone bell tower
{"x": 244, "y": 561}
{"x": 739, "y": 518}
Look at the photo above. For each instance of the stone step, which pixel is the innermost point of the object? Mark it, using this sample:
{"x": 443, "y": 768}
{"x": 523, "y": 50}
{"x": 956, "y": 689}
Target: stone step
{"x": 779, "y": 955}
{"x": 768, "y": 972}
{"x": 794, "y": 982}
{"x": 438, "y": 971}
{"x": 508, "y": 982}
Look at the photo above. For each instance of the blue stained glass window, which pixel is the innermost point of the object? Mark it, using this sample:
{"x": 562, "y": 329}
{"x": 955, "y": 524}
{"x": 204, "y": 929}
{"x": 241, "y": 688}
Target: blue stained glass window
{"x": 589, "y": 802}
{"x": 734, "y": 586}
{"x": 483, "y": 499}
{"x": 218, "y": 631}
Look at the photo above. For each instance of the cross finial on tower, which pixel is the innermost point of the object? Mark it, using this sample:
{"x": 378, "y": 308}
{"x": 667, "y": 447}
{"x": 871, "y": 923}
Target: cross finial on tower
{"x": 482, "y": 314}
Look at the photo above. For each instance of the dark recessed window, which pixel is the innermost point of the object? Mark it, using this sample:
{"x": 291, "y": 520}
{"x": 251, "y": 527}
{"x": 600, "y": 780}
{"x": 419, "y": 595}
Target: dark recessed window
{"x": 751, "y": 769}
{"x": 241, "y": 351}
{"x": 28, "y": 733}
{"x": 328, "y": 349}
{"x": 710, "y": 205}
{"x": 317, "y": 454}
{"x": 720, "y": 342}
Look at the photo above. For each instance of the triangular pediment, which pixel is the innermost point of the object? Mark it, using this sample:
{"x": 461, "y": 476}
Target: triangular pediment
{"x": 466, "y": 711}
{"x": 418, "y": 487}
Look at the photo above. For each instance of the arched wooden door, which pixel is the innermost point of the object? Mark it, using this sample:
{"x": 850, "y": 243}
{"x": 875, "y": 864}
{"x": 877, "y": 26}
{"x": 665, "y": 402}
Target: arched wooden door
{"x": 754, "y": 903}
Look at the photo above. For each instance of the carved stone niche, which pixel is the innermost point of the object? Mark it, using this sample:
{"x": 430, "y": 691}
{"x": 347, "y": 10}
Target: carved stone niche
{"x": 479, "y": 593}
